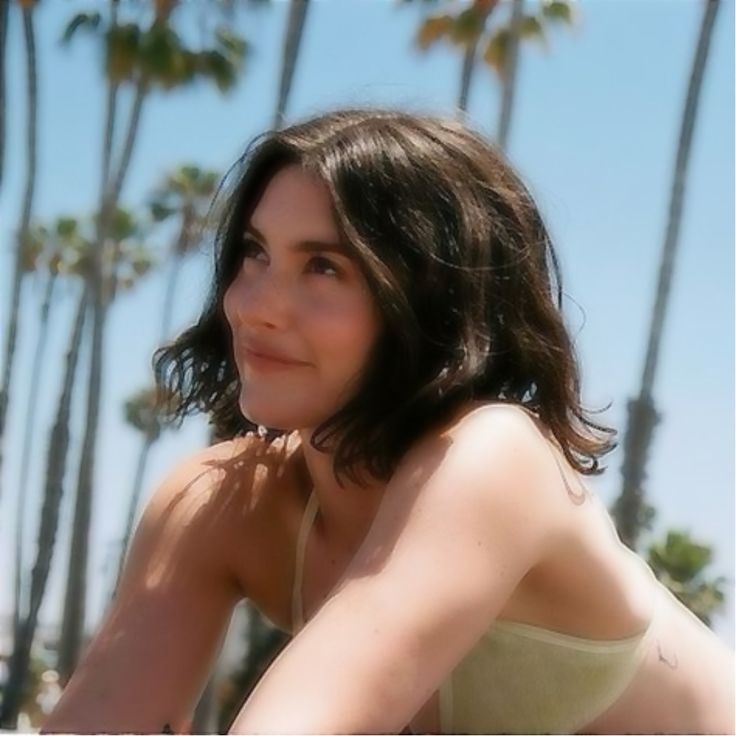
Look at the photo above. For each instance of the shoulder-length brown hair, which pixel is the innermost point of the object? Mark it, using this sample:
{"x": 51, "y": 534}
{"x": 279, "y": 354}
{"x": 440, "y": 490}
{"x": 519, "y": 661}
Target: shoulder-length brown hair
{"x": 459, "y": 263}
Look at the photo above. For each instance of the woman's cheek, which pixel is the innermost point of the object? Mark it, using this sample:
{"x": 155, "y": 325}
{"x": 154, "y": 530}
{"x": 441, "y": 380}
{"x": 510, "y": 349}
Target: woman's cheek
{"x": 229, "y": 307}
{"x": 226, "y": 305}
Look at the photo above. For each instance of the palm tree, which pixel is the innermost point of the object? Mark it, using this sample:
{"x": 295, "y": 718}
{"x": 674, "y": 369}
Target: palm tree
{"x": 508, "y": 70}
{"x": 289, "y": 56}
{"x": 471, "y": 29}
{"x": 55, "y": 471}
{"x": 126, "y": 261}
{"x": 79, "y": 262}
{"x": 56, "y": 464}
{"x": 4, "y": 8}
{"x": 185, "y": 193}
{"x": 31, "y": 128}
{"x": 55, "y": 248}
{"x": 146, "y": 59}
{"x": 679, "y": 563}
{"x": 630, "y": 510}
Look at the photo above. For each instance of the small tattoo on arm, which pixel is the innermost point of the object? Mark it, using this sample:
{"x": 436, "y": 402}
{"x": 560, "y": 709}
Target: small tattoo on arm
{"x": 672, "y": 665}
{"x": 167, "y": 728}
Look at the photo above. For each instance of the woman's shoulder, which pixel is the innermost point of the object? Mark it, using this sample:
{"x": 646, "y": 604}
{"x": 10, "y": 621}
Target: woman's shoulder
{"x": 516, "y": 454}
{"x": 485, "y": 411}
{"x": 225, "y": 494}
{"x": 480, "y": 422}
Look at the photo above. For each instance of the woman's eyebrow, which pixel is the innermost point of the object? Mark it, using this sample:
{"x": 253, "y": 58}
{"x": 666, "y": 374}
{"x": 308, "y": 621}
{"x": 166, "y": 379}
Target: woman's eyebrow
{"x": 307, "y": 246}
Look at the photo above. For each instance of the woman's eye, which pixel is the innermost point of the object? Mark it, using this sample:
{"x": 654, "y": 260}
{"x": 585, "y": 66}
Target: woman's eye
{"x": 251, "y": 248}
{"x": 325, "y": 264}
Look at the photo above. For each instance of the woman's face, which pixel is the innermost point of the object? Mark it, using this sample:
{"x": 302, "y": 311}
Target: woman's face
{"x": 294, "y": 296}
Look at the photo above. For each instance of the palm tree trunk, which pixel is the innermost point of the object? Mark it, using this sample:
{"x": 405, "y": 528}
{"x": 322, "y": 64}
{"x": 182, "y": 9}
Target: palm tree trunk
{"x": 25, "y": 462}
{"x": 75, "y": 596}
{"x": 642, "y": 416}
{"x": 151, "y": 438}
{"x": 292, "y": 41}
{"x": 4, "y": 7}
{"x": 168, "y": 308}
{"x": 110, "y": 112}
{"x": 466, "y": 75}
{"x": 483, "y": 11}
{"x": 25, "y": 220}
{"x": 49, "y": 523}
{"x": 111, "y": 283}
{"x": 131, "y": 134}
{"x": 509, "y": 75}
{"x": 76, "y": 591}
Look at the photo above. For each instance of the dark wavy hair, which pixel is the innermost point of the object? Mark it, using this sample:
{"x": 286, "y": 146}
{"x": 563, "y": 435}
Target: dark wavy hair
{"x": 459, "y": 263}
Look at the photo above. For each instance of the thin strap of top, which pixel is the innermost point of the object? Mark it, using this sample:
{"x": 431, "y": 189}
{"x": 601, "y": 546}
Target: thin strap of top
{"x": 297, "y": 613}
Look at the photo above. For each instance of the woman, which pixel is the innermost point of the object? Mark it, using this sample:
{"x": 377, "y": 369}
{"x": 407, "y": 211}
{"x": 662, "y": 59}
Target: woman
{"x": 383, "y": 311}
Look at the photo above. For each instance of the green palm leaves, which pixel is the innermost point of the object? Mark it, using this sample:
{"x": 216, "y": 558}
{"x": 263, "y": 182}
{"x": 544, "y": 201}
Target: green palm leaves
{"x": 679, "y": 562}
{"x": 473, "y": 26}
{"x": 157, "y": 56}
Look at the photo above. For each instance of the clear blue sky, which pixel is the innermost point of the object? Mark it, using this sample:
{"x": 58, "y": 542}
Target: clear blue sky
{"x": 594, "y": 135}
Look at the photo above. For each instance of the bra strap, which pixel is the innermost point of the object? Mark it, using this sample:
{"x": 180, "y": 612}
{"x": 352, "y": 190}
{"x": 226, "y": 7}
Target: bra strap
{"x": 297, "y": 613}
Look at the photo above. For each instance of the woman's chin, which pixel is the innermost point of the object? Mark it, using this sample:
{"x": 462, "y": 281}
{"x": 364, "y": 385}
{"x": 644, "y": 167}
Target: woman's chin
{"x": 265, "y": 418}
{"x": 269, "y": 412}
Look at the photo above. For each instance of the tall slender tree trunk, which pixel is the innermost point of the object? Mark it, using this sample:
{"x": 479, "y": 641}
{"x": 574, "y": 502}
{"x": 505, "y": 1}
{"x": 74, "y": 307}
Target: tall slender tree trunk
{"x": 72, "y": 626}
{"x": 483, "y": 9}
{"x": 116, "y": 184}
{"x": 151, "y": 438}
{"x": 131, "y": 133}
{"x": 48, "y": 526}
{"x": 4, "y": 8}
{"x": 628, "y": 510}
{"x": 102, "y": 291}
{"x": 466, "y": 76}
{"x": 509, "y": 74}
{"x": 76, "y": 591}
{"x": 168, "y": 308}
{"x": 110, "y": 116}
{"x": 25, "y": 220}
{"x": 25, "y": 456}
{"x": 292, "y": 42}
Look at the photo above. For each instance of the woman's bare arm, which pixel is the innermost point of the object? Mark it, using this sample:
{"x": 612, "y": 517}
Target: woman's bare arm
{"x": 461, "y": 522}
{"x": 145, "y": 668}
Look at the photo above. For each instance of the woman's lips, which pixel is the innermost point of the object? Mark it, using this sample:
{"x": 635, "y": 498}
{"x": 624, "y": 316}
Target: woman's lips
{"x": 261, "y": 362}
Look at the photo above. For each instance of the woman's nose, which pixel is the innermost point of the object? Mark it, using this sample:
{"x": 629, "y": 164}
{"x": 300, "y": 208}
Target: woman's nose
{"x": 264, "y": 299}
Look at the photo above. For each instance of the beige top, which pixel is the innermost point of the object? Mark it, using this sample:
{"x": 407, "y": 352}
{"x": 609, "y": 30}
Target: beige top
{"x": 520, "y": 678}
